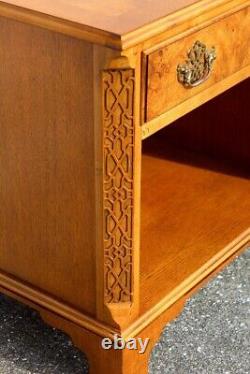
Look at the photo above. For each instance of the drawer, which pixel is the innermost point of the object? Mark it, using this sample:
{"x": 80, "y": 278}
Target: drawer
{"x": 177, "y": 71}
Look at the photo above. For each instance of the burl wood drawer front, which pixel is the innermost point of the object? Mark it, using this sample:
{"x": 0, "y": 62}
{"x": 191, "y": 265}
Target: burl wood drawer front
{"x": 230, "y": 38}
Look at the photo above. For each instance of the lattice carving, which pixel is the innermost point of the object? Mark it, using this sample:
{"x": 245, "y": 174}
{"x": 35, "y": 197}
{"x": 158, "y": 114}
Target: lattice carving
{"x": 118, "y": 144}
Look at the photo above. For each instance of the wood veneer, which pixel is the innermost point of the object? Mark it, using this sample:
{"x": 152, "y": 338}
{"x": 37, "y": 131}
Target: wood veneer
{"x": 231, "y": 39}
{"x": 192, "y": 207}
{"x": 102, "y": 232}
{"x": 153, "y": 32}
{"x": 220, "y": 129}
{"x": 47, "y": 155}
{"x": 118, "y": 17}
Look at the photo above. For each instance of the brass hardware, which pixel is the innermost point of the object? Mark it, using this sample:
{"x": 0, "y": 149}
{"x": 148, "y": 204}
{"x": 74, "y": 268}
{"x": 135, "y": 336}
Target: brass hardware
{"x": 198, "y": 66}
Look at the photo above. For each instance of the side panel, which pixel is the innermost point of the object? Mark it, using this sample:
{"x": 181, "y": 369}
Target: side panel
{"x": 47, "y": 214}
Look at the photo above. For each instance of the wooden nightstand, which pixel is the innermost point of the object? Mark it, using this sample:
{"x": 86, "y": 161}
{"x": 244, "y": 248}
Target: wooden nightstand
{"x": 101, "y": 230}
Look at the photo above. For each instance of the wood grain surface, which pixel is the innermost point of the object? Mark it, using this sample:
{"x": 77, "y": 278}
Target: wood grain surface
{"x": 192, "y": 207}
{"x": 47, "y": 162}
{"x": 116, "y": 16}
{"x": 231, "y": 39}
{"x": 195, "y": 191}
{"x": 189, "y": 213}
{"x": 203, "y": 132}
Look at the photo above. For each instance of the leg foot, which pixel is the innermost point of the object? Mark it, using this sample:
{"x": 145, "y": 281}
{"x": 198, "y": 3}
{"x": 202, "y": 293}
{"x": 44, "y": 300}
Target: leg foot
{"x": 102, "y": 361}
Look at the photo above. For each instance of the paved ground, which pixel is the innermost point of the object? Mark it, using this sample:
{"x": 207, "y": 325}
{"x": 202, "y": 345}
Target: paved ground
{"x": 211, "y": 336}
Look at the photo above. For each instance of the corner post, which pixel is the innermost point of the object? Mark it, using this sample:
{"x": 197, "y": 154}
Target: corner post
{"x": 118, "y": 260}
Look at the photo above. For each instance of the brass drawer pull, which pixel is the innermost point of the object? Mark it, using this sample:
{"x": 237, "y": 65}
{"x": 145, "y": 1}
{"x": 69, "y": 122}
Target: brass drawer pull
{"x": 197, "y": 67}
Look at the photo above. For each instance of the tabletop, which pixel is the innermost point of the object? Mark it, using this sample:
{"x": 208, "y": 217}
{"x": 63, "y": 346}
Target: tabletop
{"x": 115, "y": 16}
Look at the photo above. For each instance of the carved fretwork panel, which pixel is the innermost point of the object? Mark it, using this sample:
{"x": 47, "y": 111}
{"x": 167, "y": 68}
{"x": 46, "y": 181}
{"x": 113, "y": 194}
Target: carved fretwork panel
{"x": 118, "y": 184}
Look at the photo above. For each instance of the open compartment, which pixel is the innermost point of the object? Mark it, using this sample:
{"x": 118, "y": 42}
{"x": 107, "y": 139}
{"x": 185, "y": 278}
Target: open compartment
{"x": 195, "y": 197}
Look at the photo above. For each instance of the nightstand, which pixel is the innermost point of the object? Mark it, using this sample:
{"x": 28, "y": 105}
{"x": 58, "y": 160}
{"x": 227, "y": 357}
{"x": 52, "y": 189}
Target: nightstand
{"x": 124, "y": 155}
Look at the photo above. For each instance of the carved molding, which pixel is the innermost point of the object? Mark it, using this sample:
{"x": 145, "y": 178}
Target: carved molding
{"x": 118, "y": 184}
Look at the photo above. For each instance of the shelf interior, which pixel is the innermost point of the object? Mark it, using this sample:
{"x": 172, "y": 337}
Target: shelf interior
{"x": 193, "y": 205}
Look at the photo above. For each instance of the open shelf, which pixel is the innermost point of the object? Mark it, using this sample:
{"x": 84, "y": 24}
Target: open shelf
{"x": 193, "y": 206}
